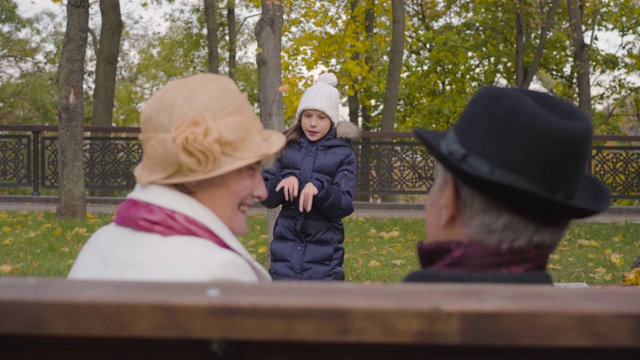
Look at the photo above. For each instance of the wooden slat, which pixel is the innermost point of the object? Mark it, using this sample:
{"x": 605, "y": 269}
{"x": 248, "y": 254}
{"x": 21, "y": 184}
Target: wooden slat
{"x": 411, "y": 314}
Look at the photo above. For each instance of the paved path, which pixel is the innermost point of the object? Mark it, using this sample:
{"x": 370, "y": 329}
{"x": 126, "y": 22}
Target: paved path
{"x": 631, "y": 215}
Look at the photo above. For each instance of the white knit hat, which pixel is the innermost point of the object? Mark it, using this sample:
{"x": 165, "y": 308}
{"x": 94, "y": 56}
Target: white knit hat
{"x": 322, "y": 96}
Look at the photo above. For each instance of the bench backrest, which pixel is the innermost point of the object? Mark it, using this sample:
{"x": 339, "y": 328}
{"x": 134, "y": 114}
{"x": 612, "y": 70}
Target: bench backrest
{"x": 341, "y": 318}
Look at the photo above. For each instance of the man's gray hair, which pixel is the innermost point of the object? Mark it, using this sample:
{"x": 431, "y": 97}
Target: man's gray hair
{"x": 492, "y": 222}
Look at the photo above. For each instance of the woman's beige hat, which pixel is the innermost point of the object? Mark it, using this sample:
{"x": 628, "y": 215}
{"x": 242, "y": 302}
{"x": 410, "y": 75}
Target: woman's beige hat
{"x": 200, "y": 127}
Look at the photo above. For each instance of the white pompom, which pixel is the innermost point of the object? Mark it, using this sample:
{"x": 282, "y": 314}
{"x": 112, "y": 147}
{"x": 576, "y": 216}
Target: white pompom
{"x": 328, "y": 78}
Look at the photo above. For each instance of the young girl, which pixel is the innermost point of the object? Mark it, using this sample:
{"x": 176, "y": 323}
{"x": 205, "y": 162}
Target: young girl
{"x": 314, "y": 181}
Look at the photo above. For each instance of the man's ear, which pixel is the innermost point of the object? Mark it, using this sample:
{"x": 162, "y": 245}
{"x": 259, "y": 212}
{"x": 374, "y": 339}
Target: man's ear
{"x": 450, "y": 203}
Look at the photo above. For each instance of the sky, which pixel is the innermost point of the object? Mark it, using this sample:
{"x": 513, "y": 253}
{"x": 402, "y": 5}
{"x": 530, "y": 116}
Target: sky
{"x": 29, "y": 8}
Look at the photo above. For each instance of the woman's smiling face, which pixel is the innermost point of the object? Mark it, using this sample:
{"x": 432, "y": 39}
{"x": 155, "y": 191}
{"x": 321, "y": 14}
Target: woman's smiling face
{"x": 315, "y": 124}
{"x": 231, "y": 195}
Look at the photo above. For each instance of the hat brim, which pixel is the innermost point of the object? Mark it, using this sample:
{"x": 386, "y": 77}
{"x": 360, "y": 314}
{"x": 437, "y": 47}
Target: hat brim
{"x": 273, "y": 141}
{"x": 591, "y": 195}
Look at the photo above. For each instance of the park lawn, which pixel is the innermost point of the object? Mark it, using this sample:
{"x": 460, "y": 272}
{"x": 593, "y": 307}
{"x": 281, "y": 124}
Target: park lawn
{"x": 377, "y": 250}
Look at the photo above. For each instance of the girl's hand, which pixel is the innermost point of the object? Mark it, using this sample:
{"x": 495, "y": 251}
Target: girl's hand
{"x": 290, "y": 186}
{"x": 306, "y": 197}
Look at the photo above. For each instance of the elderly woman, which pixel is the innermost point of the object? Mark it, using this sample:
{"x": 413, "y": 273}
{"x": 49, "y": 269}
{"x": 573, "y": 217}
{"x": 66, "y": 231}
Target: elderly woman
{"x": 199, "y": 175}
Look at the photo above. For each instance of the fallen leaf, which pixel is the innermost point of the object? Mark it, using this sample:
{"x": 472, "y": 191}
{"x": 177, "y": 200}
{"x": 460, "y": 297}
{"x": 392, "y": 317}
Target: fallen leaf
{"x": 632, "y": 277}
{"x": 584, "y": 242}
{"x": 617, "y": 259}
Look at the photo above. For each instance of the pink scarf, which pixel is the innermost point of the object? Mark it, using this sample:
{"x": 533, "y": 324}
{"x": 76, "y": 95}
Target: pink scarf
{"x": 143, "y": 216}
{"x": 476, "y": 256}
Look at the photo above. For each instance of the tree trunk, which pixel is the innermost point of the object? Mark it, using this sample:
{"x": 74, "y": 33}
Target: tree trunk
{"x": 107, "y": 63}
{"x": 231, "y": 25}
{"x": 354, "y": 117}
{"x": 268, "y": 33}
{"x": 71, "y": 201}
{"x": 396, "y": 53}
{"x": 580, "y": 56}
{"x": 211, "y": 18}
{"x": 525, "y": 74}
{"x": 105, "y": 83}
{"x": 520, "y": 46}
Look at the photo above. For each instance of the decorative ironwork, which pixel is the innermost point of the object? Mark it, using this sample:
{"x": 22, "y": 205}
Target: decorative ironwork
{"x": 49, "y": 162}
{"x": 618, "y": 167}
{"x": 15, "y": 160}
{"x": 393, "y": 167}
{"x": 389, "y": 164}
{"x": 108, "y": 162}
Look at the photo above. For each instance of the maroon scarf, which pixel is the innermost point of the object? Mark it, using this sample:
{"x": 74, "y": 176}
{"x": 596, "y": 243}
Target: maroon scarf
{"x": 476, "y": 256}
{"x": 143, "y": 216}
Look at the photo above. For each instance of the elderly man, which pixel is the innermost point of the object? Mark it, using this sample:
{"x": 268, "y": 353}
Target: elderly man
{"x": 510, "y": 175}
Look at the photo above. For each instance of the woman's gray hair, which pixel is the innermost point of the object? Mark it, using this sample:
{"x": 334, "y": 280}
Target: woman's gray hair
{"x": 492, "y": 222}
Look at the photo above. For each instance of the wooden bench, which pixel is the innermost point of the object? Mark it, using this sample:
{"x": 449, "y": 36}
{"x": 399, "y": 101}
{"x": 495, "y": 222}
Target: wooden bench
{"x": 61, "y": 319}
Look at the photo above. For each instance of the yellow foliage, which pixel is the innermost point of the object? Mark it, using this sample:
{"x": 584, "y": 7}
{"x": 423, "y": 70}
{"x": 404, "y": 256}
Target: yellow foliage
{"x": 617, "y": 259}
{"x": 586, "y": 242}
{"x": 374, "y": 263}
{"x": 79, "y": 231}
{"x": 387, "y": 235}
{"x": 632, "y": 277}
{"x": 262, "y": 250}
{"x": 5, "y": 269}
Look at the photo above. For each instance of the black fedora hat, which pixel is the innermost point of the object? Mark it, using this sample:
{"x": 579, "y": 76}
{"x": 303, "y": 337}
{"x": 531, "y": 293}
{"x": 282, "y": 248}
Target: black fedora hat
{"x": 524, "y": 148}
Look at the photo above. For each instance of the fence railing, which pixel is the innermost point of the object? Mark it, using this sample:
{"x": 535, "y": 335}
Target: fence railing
{"x": 390, "y": 164}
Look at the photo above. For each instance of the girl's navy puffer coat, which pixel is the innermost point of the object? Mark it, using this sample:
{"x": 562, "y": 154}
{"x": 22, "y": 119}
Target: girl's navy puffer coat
{"x": 308, "y": 246}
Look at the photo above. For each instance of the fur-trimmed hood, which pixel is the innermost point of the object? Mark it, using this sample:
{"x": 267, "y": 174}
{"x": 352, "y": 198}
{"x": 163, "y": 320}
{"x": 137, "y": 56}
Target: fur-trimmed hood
{"x": 347, "y": 130}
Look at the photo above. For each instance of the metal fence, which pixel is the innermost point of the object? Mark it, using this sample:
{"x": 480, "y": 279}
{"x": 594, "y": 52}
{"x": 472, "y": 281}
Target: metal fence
{"x": 390, "y": 165}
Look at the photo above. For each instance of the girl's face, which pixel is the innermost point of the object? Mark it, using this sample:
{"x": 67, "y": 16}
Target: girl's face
{"x": 231, "y": 195}
{"x": 315, "y": 124}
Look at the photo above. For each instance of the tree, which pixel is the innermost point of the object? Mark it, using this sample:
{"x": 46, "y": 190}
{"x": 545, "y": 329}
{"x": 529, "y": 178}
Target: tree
{"x": 396, "y": 53}
{"x": 107, "y": 63}
{"x": 71, "y": 200}
{"x": 211, "y": 17}
{"x": 580, "y": 56}
{"x": 232, "y": 31}
{"x": 524, "y": 73}
{"x": 385, "y": 168}
{"x": 28, "y": 60}
{"x": 268, "y": 33}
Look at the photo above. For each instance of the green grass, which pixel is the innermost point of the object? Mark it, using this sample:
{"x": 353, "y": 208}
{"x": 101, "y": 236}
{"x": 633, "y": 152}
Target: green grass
{"x": 377, "y": 250}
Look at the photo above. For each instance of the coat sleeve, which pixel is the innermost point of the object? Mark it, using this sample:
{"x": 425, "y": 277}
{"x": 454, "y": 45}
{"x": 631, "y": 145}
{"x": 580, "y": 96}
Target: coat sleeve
{"x": 272, "y": 177}
{"x": 335, "y": 198}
